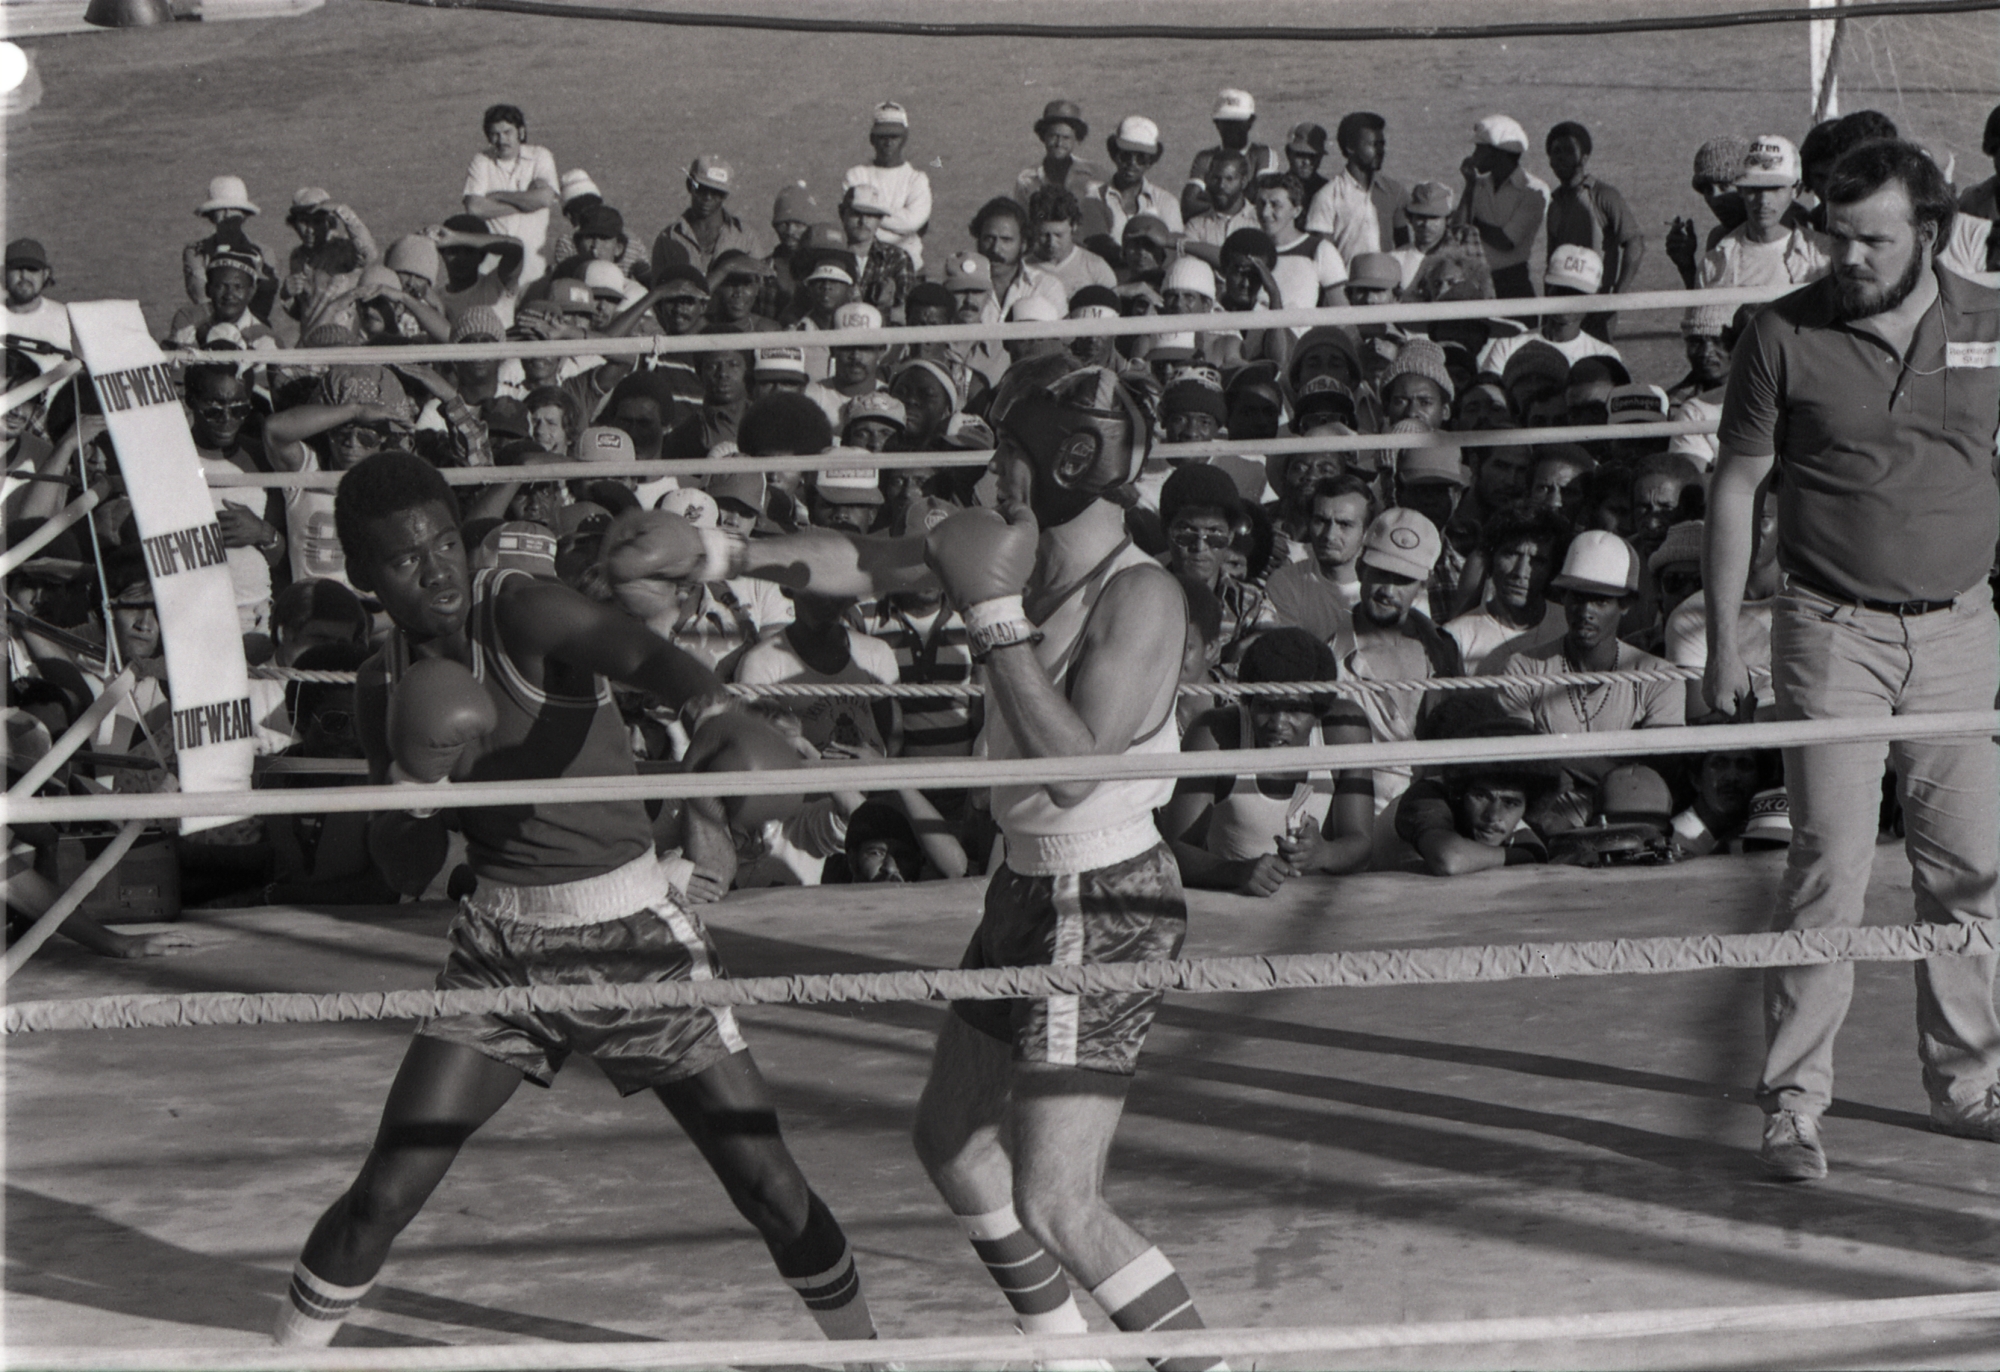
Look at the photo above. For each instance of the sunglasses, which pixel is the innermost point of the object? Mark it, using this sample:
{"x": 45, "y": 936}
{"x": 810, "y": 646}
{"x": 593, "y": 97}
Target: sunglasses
{"x": 1194, "y": 540}
{"x": 235, "y": 409}
{"x": 356, "y": 436}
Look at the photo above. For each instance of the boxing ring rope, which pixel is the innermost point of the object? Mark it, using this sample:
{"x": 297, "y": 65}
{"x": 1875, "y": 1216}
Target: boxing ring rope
{"x": 1220, "y": 321}
{"x": 1366, "y": 969}
{"x": 971, "y": 772}
{"x": 579, "y": 470}
{"x": 996, "y": 1349}
{"x": 47, "y": 381}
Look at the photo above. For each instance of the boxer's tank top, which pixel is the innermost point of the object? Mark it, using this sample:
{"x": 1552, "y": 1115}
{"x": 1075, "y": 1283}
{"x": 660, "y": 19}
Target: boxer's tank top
{"x": 540, "y": 736}
{"x": 1115, "y": 821}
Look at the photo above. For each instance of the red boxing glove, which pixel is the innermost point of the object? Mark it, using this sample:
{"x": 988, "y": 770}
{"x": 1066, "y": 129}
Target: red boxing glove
{"x": 981, "y": 554}
{"x": 437, "y": 712}
{"x": 733, "y": 740}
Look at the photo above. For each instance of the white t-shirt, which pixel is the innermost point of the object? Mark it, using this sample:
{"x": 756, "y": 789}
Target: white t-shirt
{"x": 248, "y": 571}
{"x": 825, "y": 717}
{"x": 46, "y": 320}
{"x": 1081, "y": 268}
{"x": 1700, "y": 447}
{"x": 1301, "y": 278}
{"x": 1687, "y": 634}
{"x": 1493, "y": 358}
{"x": 532, "y": 166}
{"x": 1795, "y": 259}
{"x": 1484, "y": 642}
{"x": 1965, "y": 251}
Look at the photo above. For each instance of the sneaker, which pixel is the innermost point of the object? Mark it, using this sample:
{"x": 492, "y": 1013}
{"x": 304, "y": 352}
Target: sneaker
{"x": 1979, "y": 1120}
{"x": 1792, "y": 1149}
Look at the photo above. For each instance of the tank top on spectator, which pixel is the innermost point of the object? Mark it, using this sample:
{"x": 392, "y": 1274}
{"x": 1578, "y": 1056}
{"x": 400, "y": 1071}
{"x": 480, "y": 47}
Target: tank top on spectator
{"x": 1115, "y": 821}
{"x": 541, "y": 736}
{"x": 313, "y": 546}
{"x": 1246, "y": 822}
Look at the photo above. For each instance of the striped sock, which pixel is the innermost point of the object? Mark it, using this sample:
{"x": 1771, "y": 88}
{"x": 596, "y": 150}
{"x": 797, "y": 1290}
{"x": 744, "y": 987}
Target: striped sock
{"x": 1147, "y": 1294}
{"x": 1030, "y": 1278}
{"x": 819, "y": 1265}
{"x": 314, "y": 1309}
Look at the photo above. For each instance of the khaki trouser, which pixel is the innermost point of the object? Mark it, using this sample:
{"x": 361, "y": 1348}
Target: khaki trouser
{"x": 1835, "y": 660}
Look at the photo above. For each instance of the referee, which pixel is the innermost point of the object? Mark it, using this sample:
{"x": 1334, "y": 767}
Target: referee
{"x": 1872, "y": 396}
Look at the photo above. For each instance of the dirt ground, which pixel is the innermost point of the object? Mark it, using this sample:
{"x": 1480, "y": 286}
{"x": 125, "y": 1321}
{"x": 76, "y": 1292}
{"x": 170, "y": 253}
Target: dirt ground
{"x": 380, "y": 104}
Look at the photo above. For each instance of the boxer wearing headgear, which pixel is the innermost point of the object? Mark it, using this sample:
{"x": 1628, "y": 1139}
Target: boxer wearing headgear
{"x": 1080, "y": 635}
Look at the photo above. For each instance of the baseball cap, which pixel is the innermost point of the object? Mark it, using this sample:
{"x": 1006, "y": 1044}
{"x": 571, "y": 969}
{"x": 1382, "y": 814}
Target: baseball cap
{"x": 601, "y": 221}
{"x": 1136, "y": 133}
{"x": 830, "y": 265}
{"x": 1720, "y": 159}
{"x": 575, "y": 184}
{"x": 784, "y": 361}
{"x": 567, "y": 295}
{"x": 865, "y": 197}
{"x": 1095, "y": 302}
{"x": 1063, "y": 112}
{"x": 1231, "y": 103}
{"x": 1579, "y": 268}
{"x": 1635, "y": 794}
{"x": 1770, "y": 824}
{"x": 680, "y": 280}
{"x": 691, "y": 503}
{"x": 1322, "y": 396}
{"x": 1190, "y": 274}
{"x": 742, "y": 491}
{"x": 890, "y": 117}
{"x": 417, "y": 255}
{"x": 874, "y": 405}
{"x": 1431, "y": 198}
{"x": 1499, "y": 131}
{"x": 1599, "y": 563}
{"x": 1636, "y": 403}
{"x": 1536, "y": 358}
{"x": 520, "y": 544}
{"x": 602, "y": 443}
{"x": 1307, "y": 138}
{"x": 1439, "y": 462}
{"x": 1375, "y": 271}
{"x": 1037, "y": 309}
{"x": 711, "y": 171}
{"x": 857, "y": 314}
{"x": 1402, "y": 541}
{"x": 1682, "y": 544}
{"x": 967, "y": 271}
{"x": 26, "y": 252}
{"x": 736, "y": 263}
{"x": 1152, "y": 228}
{"x": 794, "y": 205}
{"x": 582, "y": 520}
{"x": 850, "y": 485}
{"x": 605, "y": 279}
{"x": 1771, "y": 161}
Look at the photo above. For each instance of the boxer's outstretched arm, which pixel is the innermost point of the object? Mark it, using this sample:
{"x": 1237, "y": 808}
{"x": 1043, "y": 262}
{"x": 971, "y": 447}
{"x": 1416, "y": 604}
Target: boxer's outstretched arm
{"x": 549, "y": 621}
{"x": 1127, "y": 670}
{"x": 646, "y": 551}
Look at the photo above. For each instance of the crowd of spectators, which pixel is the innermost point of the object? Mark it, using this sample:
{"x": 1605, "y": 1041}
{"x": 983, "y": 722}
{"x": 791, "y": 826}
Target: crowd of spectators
{"x": 1351, "y": 564}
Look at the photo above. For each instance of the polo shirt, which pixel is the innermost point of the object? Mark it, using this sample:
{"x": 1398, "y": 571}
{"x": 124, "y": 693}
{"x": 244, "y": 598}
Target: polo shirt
{"x": 677, "y": 242}
{"x": 1889, "y": 490}
{"x": 1104, "y": 208}
{"x": 1214, "y": 227}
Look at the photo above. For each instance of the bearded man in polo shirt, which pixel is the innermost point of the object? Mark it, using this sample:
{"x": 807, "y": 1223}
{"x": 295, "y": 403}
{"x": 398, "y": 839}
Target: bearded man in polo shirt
{"x": 1878, "y": 388}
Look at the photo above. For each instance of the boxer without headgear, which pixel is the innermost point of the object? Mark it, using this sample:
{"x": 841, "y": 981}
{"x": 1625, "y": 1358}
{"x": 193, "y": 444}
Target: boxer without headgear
{"x": 499, "y": 675}
{"x": 1081, "y": 637}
